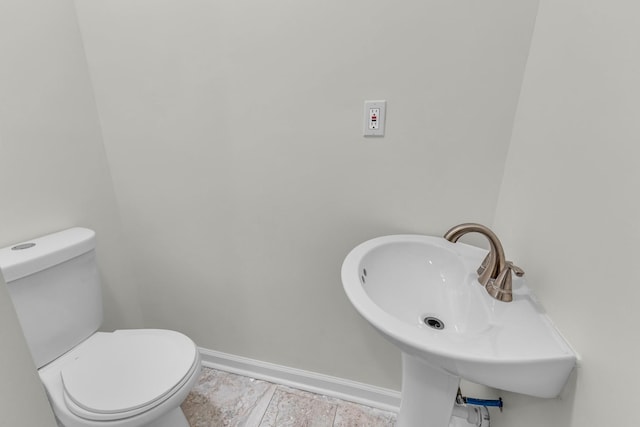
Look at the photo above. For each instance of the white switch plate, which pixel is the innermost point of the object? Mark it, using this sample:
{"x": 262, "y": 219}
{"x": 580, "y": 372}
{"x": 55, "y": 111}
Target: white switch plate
{"x": 374, "y": 117}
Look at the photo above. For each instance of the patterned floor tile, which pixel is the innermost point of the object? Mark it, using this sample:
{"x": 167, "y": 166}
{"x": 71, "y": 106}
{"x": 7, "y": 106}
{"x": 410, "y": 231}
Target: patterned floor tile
{"x": 353, "y": 415}
{"x": 294, "y": 408}
{"x": 222, "y": 399}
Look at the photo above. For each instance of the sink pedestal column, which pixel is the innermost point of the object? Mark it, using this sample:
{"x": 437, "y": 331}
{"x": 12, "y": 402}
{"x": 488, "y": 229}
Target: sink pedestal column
{"x": 428, "y": 394}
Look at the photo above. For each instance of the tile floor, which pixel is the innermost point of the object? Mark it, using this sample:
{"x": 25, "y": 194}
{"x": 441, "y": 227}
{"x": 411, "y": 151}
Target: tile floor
{"x": 223, "y": 399}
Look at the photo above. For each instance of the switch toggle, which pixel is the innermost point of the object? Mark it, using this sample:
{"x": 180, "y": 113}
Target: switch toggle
{"x": 374, "y": 115}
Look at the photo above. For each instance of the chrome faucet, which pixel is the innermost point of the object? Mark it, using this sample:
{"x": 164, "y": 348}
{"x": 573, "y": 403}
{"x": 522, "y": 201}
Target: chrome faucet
{"x": 494, "y": 272}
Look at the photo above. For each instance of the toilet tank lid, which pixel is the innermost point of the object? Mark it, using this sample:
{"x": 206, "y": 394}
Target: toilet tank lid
{"x": 32, "y": 256}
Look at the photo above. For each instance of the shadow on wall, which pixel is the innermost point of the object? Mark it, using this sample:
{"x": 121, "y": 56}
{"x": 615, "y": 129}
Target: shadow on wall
{"x": 560, "y": 409}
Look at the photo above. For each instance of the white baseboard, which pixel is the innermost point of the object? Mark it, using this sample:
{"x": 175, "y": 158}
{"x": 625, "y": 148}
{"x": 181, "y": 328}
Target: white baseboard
{"x": 352, "y": 391}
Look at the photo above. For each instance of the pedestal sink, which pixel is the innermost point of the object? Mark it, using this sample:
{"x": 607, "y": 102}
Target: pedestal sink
{"x": 422, "y": 294}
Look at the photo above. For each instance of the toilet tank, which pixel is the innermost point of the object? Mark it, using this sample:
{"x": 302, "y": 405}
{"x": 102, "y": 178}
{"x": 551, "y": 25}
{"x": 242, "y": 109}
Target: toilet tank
{"x": 54, "y": 284}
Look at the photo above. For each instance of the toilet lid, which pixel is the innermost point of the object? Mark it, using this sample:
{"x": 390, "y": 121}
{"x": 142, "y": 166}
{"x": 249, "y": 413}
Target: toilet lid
{"x": 124, "y": 371}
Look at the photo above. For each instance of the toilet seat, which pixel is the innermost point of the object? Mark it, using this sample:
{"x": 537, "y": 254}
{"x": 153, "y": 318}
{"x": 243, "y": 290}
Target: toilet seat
{"x": 121, "y": 374}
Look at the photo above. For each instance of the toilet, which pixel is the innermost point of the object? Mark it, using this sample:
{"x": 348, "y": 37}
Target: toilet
{"x": 125, "y": 378}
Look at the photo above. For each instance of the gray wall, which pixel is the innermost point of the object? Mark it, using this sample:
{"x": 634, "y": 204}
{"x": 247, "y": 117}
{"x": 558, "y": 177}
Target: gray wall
{"x": 54, "y": 175}
{"x": 569, "y": 210}
{"x": 53, "y": 167}
{"x": 233, "y": 133}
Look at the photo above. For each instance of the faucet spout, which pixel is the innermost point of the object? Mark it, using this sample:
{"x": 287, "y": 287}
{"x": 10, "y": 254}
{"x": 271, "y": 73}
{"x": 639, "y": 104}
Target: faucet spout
{"x": 495, "y": 262}
{"x": 495, "y": 272}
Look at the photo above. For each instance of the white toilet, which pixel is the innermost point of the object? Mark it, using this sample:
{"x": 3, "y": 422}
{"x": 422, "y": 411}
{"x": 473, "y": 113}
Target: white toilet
{"x": 126, "y": 378}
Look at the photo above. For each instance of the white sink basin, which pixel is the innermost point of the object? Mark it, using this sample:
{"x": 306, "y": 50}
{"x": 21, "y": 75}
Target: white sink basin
{"x": 395, "y": 282}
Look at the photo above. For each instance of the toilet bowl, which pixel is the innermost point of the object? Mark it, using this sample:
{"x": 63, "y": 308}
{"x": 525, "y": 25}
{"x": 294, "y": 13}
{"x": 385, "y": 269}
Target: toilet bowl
{"x": 125, "y": 378}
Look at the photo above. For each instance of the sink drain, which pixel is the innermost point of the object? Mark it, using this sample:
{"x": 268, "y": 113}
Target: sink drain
{"x": 433, "y": 322}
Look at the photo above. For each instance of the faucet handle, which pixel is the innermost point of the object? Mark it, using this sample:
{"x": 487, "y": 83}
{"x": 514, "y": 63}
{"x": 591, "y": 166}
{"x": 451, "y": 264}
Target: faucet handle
{"x": 500, "y": 287}
{"x": 516, "y": 270}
